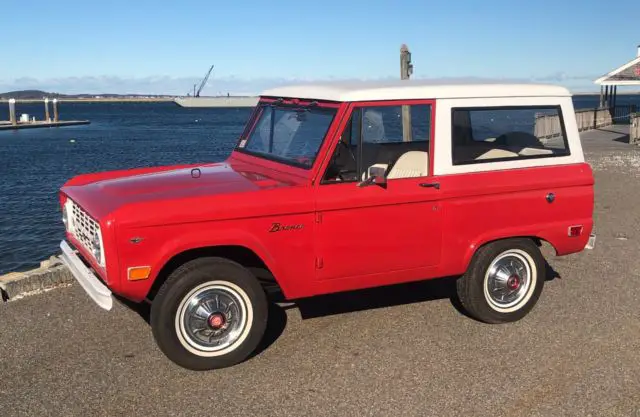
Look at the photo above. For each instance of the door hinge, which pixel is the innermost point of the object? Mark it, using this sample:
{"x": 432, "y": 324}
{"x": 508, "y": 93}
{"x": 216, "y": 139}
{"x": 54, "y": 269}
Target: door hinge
{"x": 318, "y": 217}
{"x": 319, "y": 263}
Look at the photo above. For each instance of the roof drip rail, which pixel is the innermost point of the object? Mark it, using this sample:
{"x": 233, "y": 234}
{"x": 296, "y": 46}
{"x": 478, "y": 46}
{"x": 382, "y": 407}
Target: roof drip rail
{"x": 276, "y": 102}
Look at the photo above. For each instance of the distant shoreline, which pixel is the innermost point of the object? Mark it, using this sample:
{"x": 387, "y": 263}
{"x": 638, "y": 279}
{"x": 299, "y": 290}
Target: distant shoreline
{"x": 94, "y": 100}
{"x": 114, "y": 99}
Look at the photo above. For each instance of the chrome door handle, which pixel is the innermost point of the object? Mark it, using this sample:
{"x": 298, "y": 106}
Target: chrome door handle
{"x": 435, "y": 185}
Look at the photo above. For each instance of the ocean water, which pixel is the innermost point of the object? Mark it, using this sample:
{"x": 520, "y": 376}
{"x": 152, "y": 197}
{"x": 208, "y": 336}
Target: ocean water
{"x": 34, "y": 163}
{"x": 591, "y": 101}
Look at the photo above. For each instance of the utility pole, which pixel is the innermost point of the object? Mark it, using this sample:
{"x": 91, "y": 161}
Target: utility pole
{"x": 406, "y": 69}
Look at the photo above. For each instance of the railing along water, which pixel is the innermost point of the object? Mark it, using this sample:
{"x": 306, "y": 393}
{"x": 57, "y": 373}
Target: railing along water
{"x": 634, "y": 129}
{"x": 548, "y": 126}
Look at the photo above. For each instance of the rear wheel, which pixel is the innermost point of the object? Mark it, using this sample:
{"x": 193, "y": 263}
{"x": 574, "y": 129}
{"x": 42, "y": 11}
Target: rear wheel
{"x": 503, "y": 281}
{"x": 210, "y": 313}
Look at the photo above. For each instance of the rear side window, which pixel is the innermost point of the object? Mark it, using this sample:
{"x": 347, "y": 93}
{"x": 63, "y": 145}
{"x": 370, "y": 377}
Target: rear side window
{"x": 490, "y": 134}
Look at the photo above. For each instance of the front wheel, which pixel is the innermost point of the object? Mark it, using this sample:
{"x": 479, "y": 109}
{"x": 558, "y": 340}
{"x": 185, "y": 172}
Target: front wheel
{"x": 503, "y": 281}
{"x": 210, "y": 313}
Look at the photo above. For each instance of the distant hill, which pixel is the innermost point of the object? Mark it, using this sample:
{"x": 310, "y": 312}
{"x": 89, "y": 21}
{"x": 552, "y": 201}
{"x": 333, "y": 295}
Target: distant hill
{"x": 39, "y": 94}
{"x": 29, "y": 94}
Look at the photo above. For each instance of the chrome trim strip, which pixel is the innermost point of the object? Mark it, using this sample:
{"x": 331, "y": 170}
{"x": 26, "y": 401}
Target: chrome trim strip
{"x": 87, "y": 279}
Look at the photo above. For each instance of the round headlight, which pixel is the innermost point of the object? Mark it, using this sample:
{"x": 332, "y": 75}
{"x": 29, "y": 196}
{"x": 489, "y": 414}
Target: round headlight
{"x": 96, "y": 248}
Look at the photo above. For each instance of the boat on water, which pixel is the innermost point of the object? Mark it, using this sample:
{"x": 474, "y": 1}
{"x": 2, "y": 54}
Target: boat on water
{"x": 214, "y": 101}
{"x": 217, "y": 101}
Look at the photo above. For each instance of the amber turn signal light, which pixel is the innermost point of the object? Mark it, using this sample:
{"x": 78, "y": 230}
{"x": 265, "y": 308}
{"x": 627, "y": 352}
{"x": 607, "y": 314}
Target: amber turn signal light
{"x": 138, "y": 273}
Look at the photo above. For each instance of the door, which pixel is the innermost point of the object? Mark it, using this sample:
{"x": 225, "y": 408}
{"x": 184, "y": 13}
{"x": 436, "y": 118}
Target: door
{"x": 379, "y": 228}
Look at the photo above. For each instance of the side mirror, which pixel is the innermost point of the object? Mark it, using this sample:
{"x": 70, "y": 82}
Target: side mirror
{"x": 376, "y": 176}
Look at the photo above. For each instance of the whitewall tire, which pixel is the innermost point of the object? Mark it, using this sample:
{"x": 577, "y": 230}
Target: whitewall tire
{"x": 210, "y": 313}
{"x": 503, "y": 282}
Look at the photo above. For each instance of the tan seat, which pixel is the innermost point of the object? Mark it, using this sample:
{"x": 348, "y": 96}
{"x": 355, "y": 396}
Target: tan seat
{"x": 410, "y": 165}
{"x": 534, "y": 151}
{"x": 497, "y": 153}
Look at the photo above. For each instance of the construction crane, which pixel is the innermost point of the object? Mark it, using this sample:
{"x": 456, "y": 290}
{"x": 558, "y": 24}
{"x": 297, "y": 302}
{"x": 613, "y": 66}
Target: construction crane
{"x": 202, "y": 84}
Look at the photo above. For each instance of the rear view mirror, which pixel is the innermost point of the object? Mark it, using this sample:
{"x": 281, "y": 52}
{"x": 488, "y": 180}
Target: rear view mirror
{"x": 376, "y": 176}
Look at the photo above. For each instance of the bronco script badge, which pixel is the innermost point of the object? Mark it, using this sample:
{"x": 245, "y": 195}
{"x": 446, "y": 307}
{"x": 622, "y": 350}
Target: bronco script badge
{"x": 277, "y": 227}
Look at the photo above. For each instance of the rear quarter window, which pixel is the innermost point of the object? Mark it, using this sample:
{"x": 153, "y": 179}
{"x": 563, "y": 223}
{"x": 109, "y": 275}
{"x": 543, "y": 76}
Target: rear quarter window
{"x": 490, "y": 134}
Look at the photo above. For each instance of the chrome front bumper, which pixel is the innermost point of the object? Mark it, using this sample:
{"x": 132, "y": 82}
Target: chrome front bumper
{"x": 87, "y": 279}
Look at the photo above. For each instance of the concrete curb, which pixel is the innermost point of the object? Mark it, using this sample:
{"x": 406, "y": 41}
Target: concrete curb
{"x": 52, "y": 273}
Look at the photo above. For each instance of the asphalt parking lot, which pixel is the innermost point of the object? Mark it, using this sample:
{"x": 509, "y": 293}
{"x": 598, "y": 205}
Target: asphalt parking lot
{"x": 401, "y": 351}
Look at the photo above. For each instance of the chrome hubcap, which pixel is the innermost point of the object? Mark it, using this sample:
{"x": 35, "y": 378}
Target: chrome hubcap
{"x": 508, "y": 279}
{"x": 212, "y": 317}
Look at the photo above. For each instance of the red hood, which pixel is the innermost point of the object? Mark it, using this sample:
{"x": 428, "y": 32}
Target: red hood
{"x": 110, "y": 192}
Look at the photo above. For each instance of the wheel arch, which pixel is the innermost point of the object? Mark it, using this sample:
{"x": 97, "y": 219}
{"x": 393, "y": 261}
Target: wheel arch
{"x": 243, "y": 255}
{"x": 474, "y": 248}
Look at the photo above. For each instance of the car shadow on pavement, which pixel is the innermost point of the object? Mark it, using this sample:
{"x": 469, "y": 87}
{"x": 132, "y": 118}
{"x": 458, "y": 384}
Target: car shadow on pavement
{"x": 392, "y": 295}
{"x": 550, "y": 273}
{"x": 275, "y": 326}
{"x": 379, "y": 297}
{"x": 142, "y": 309}
{"x": 348, "y": 302}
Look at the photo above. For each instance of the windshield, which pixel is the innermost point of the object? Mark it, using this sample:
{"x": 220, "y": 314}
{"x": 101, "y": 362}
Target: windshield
{"x": 292, "y": 135}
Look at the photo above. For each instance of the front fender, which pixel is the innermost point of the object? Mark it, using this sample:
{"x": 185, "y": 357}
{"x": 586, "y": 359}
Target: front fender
{"x": 156, "y": 246}
{"x": 202, "y": 239}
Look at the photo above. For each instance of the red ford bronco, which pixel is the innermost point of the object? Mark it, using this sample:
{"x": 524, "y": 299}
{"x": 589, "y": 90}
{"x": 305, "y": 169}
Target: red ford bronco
{"x": 334, "y": 188}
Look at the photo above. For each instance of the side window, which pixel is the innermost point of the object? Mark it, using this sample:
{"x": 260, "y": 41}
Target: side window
{"x": 344, "y": 162}
{"x": 497, "y": 134}
{"x": 375, "y": 137}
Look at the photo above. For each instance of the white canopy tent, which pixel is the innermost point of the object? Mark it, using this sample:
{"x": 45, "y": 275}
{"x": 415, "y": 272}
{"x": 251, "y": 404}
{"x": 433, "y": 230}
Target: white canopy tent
{"x": 628, "y": 74}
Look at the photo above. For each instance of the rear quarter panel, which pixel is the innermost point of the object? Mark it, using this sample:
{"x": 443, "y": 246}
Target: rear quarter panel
{"x": 481, "y": 207}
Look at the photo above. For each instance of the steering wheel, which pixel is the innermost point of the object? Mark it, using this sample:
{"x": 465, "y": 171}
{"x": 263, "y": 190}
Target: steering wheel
{"x": 349, "y": 150}
{"x": 342, "y": 172}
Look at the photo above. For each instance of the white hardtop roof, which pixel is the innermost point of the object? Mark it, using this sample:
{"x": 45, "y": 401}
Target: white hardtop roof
{"x": 412, "y": 89}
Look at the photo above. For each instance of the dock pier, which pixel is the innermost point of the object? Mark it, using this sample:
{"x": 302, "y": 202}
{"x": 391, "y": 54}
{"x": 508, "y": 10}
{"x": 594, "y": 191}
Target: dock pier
{"x": 548, "y": 127}
{"x": 25, "y": 123}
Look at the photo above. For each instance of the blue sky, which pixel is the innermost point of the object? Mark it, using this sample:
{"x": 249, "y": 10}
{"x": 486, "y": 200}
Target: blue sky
{"x": 141, "y": 46}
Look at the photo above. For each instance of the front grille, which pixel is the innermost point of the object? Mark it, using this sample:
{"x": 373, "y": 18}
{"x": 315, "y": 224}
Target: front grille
{"x": 83, "y": 226}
